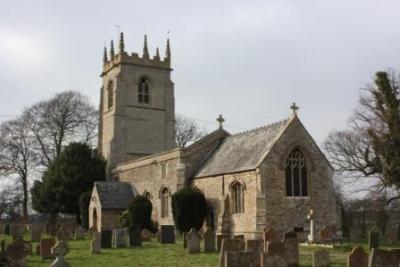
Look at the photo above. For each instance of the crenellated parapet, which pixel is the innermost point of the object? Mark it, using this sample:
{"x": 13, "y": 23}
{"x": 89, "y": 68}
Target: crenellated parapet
{"x": 122, "y": 57}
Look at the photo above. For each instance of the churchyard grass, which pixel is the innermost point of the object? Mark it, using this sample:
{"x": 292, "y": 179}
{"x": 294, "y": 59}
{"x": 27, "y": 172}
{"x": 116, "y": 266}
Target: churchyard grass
{"x": 155, "y": 254}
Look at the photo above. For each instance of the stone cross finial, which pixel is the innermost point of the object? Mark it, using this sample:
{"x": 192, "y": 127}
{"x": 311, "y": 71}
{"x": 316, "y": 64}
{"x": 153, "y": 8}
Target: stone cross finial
{"x": 220, "y": 120}
{"x": 295, "y": 108}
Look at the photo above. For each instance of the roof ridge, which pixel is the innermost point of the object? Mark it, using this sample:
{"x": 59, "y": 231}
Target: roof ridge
{"x": 259, "y": 128}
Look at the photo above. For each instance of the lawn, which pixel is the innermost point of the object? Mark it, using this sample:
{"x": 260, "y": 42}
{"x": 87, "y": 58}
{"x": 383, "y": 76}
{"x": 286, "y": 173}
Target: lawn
{"x": 155, "y": 254}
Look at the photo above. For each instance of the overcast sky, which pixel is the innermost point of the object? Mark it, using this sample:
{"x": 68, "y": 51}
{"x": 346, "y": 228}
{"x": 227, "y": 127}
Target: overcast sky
{"x": 247, "y": 60}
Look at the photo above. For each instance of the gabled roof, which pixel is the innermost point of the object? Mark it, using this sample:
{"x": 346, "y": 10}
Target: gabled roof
{"x": 114, "y": 195}
{"x": 243, "y": 151}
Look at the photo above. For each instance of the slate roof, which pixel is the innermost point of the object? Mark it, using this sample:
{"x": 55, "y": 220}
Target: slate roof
{"x": 114, "y": 195}
{"x": 243, "y": 151}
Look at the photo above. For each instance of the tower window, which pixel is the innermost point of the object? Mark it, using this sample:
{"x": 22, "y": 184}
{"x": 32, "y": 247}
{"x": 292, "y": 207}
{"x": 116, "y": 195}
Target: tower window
{"x": 237, "y": 194}
{"x": 296, "y": 175}
{"x": 163, "y": 170}
{"x": 110, "y": 94}
{"x": 143, "y": 92}
{"x": 164, "y": 202}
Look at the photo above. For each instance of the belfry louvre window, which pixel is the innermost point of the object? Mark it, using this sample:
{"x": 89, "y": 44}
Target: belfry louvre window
{"x": 164, "y": 202}
{"x": 110, "y": 94}
{"x": 237, "y": 193}
{"x": 296, "y": 174}
{"x": 144, "y": 92}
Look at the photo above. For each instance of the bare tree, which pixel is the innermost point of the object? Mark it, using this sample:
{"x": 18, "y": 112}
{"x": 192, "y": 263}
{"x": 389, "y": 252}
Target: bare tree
{"x": 10, "y": 203}
{"x": 65, "y": 118}
{"x": 186, "y": 131}
{"x": 17, "y": 158}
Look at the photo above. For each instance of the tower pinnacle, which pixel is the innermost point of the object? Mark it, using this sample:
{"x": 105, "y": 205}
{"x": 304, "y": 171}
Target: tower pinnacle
{"x": 105, "y": 58}
{"x": 121, "y": 43}
{"x": 157, "y": 54}
{"x": 168, "y": 51}
{"x": 112, "y": 52}
{"x": 145, "y": 48}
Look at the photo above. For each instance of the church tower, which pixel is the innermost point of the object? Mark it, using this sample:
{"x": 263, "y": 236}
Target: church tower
{"x": 137, "y": 105}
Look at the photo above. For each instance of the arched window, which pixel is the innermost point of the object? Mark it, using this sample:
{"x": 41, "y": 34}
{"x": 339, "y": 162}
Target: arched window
{"x": 147, "y": 195}
{"x": 110, "y": 94}
{"x": 296, "y": 174}
{"x": 237, "y": 195}
{"x": 143, "y": 92}
{"x": 164, "y": 202}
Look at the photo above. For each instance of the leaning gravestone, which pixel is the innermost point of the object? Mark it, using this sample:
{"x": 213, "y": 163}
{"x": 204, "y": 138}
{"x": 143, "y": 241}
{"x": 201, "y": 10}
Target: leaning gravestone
{"x": 60, "y": 250}
{"x": 167, "y": 234}
{"x": 193, "y": 241}
{"x": 95, "y": 244}
{"x": 106, "y": 239}
{"x": 321, "y": 258}
{"x": 17, "y": 251}
{"x": 242, "y": 258}
{"x": 272, "y": 260}
{"x": 373, "y": 240}
{"x": 146, "y": 235}
{"x": 292, "y": 251}
{"x": 120, "y": 237}
{"x": 220, "y": 237}
{"x": 45, "y": 248}
{"x": 209, "y": 240}
{"x": 383, "y": 258}
{"x": 229, "y": 244}
{"x": 357, "y": 258}
{"x": 135, "y": 236}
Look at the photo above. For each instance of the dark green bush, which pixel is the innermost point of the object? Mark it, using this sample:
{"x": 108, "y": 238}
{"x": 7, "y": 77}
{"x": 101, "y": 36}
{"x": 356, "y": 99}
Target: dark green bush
{"x": 189, "y": 208}
{"x": 139, "y": 212}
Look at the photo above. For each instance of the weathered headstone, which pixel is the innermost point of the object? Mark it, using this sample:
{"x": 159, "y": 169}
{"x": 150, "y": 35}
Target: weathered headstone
{"x": 69, "y": 229}
{"x": 95, "y": 244}
{"x": 135, "y": 236}
{"x": 373, "y": 240}
{"x": 106, "y": 239}
{"x": 146, "y": 235}
{"x": 242, "y": 258}
{"x": 355, "y": 234}
{"x": 18, "y": 251}
{"x": 79, "y": 233}
{"x": 120, "y": 237}
{"x": 193, "y": 241}
{"x": 167, "y": 234}
{"x": 381, "y": 257}
{"x": 321, "y": 258}
{"x": 292, "y": 251}
{"x": 311, "y": 217}
{"x": 60, "y": 250}
{"x": 16, "y": 230}
{"x": 220, "y": 237}
{"x": 276, "y": 248}
{"x": 357, "y": 258}
{"x": 36, "y": 232}
{"x": 45, "y": 248}
{"x": 270, "y": 235}
{"x": 394, "y": 233}
{"x": 209, "y": 240}
{"x": 229, "y": 244}
{"x": 268, "y": 260}
{"x": 7, "y": 230}
{"x": 290, "y": 234}
{"x": 62, "y": 233}
{"x": 254, "y": 245}
{"x": 325, "y": 234}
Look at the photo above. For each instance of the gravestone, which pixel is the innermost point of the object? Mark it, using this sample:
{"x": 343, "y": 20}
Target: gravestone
{"x": 37, "y": 250}
{"x": 373, "y": 240}
{"x": 254, "y": 245}
{"x": 292, "y": 251}
{"x": 276, "y": 248}
{"x": 325, "y": 234}
{"x": 321, "y": 258}
{"x": 60, "y": 250}
{"x": 17, "y": 251}
{"x": 242, "y": 258}
{"x": 69, "y": 229}
{"x": 355, "y": 234}
{"x": 135, "y": 236}
{"x": 45, "y": 248}
{"x": 16, "y": 230}
{"x": 220, "y": 237}
{"x": 185, "y": 234}
{"x": 120, "y": 237}
{"x": 209, "y": 240}
{"x": 91, "y": 232}
{"x": 2, "y": 245}
{"x": 290, "y": 234}
{"x": 79, "y": 233}
{"x": 95, "y": 244}
{"x": 272, "y": 260}
{"x": 357, "y": 258}
{"x": 146, "y": 235}
{"x": 229, "y": 244}
{"x": 386, "y": 258}
{"x": 394, "y": 233}
{"x": 193, "y": 241}
{"x": 167, "y": 234}
{"x": 106, "y": 239}
{"x": 7, "y": 230}
{"x": 36, "y": 232}
{"x": 270, "y": 235}
{"x": 62, "y": 233}
{"x": 311, "y": 236}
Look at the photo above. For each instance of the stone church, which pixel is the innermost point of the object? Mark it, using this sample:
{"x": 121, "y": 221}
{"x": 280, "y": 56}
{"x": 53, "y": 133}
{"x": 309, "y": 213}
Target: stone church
{"x": 269, "y": 176}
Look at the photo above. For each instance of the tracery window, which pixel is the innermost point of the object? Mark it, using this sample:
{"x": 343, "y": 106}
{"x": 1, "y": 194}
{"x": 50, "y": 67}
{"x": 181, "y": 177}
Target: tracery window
{"x": 144, "y": 91}
{"x": 164, "y": 202}
{"x": 296, "y": 174}
{"x": 237, "y": 195}
{"x": 110, "y": 94}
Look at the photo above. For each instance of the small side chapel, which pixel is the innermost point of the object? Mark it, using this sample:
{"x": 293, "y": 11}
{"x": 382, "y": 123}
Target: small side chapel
{"x": 269, "y": 176}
